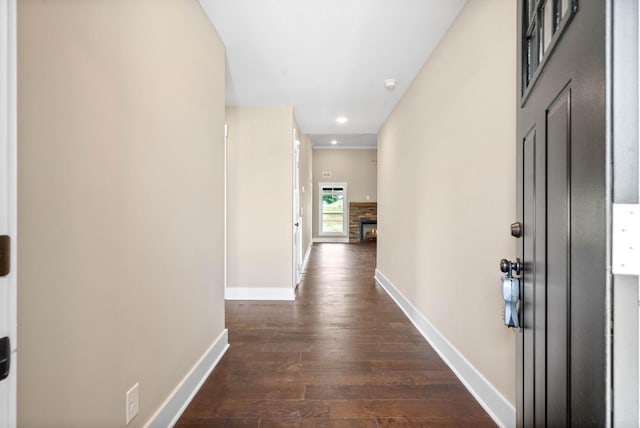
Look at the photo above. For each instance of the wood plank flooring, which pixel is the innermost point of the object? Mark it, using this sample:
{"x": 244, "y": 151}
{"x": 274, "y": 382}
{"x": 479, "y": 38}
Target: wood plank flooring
{"x": 341, "y": 355}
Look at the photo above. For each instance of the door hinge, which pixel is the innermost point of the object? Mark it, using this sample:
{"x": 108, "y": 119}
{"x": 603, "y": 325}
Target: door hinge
{"x": 626, "y": 239}
{"x": 5, "y": 255}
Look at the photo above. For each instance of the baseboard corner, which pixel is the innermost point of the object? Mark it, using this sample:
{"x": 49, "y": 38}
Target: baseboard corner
{"x": 305, "y": 260}
{"x": 260, "y": 293}
{"x": 170, "y": 411}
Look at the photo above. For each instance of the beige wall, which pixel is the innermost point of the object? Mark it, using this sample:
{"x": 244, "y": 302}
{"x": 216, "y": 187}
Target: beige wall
{"x": 260, "y": 197}
{"x": 356, "y": 167}
{"x": 121, "y": 118}
{"x": 447, "y": 185}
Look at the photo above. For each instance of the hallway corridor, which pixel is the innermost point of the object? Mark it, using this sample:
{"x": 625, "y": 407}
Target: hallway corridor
{"x": 341, "y": 355}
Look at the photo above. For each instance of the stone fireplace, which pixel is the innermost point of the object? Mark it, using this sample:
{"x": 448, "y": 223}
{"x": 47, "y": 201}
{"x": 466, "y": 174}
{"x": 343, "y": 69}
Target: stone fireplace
{"x": 363, "y": 221}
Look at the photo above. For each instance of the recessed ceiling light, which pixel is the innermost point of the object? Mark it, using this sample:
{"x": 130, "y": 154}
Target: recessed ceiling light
{"x": 390, "y": 84}
{"x": 342, "y": 120}
{"x": 334, "y": 142}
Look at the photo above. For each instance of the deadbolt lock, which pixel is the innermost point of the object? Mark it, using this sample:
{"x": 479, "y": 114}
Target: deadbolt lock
{"x": 516, "y": 229}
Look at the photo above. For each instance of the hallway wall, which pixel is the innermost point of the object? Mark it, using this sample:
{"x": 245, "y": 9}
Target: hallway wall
{"x": 446, "y": 187}
{"x": 121, "y": 137}
{"x": 260, "y": 197}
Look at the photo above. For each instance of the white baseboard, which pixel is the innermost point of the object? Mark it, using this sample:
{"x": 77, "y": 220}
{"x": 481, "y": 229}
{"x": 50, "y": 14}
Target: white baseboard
{"x": 494, "y": 403}
{"x": 305, "y": 260}
{"x": 259, "y": 293}
{"x": 173, "y": 407}
{"x": 331, "y": 239}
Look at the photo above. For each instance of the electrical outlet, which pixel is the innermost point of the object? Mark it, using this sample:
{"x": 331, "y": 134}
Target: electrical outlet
{"x": 132, "y": 402}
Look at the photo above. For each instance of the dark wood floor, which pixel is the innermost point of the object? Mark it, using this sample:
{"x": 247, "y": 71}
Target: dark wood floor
{"x": 341, "y": 355}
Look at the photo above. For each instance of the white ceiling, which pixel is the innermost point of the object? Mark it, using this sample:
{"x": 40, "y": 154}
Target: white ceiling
{"x": 328, "y": 58}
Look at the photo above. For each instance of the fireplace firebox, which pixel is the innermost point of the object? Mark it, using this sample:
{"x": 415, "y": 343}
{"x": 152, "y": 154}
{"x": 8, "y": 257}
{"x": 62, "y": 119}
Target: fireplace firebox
{"x": 359, "y": 211}
{"x": 368, "y": 229}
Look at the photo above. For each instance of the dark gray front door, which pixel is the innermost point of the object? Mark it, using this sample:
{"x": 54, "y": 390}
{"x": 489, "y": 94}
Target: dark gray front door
{"x": 561, "y": 203}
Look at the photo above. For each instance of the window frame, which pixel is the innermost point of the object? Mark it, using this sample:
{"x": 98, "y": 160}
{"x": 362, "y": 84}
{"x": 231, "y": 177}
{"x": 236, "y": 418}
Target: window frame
{"x": 345, "y": 210}
{"x": 535, "y": 49}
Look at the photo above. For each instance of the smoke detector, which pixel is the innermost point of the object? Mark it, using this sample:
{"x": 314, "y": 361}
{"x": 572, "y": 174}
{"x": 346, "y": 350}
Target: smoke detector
{"x": 390, "y": 84}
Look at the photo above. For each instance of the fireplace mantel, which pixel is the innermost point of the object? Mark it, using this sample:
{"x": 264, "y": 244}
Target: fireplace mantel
{"x": 363, "y": 204}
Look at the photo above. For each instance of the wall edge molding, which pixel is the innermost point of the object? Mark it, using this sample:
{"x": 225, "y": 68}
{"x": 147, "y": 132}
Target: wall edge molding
{"x": 170, "y": 411}
{"x": 305, "y": 260}
{"x": 259, "y": 293}
{"x": 491, "y": 400}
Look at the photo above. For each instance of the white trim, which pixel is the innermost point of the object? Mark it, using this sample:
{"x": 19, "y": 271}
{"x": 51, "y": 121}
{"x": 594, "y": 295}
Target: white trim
{"x": 173, "y": 407}
{"x": 501, "y": 411}
{"x": 331, "y": 240}
{"x": 226, "y": 233}
{"x": 297, "y": 218}
{"x": 260, "y": 293}
{"x": 637, "y": 200}
{"x": 306, "y": 259}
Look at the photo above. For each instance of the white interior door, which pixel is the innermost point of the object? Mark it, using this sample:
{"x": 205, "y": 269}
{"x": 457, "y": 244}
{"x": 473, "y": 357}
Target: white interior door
{"x": 297, "y": 218}
{"x": 8, "y": 211}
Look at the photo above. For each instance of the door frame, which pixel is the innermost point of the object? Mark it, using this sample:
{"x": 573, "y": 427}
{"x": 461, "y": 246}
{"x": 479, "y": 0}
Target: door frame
{"x": 625, "y": 152}
{"x": 226, "y": 232}
{"x": 297, "y": 218}
{"x": 8, "y": 147}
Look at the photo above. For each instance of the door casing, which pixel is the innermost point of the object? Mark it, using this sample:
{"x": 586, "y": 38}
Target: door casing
{"x": 297, "y": 218}
{"x": 8, "y": 200}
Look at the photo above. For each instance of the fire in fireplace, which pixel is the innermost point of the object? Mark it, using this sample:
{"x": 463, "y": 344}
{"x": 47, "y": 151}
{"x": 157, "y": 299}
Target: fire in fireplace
{"x": 368, "y": 229}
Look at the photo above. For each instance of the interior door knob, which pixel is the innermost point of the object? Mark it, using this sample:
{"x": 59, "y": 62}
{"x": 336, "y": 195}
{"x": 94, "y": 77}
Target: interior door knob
{"x": 508, "y": 267}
